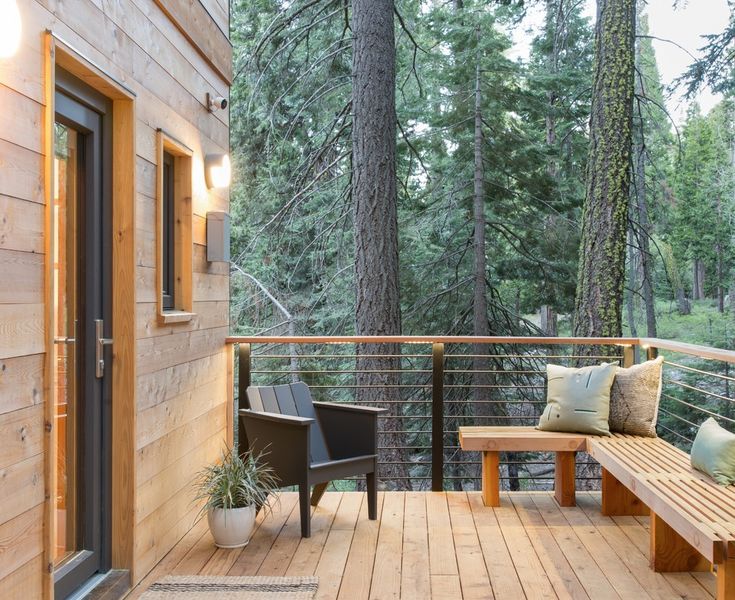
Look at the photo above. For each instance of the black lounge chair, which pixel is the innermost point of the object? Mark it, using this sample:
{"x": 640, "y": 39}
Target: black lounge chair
{"x": 311, "y": 443}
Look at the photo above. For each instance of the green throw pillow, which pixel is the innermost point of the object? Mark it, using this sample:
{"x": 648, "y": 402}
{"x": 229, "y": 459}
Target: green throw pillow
{"x": 578, "y": 400}
{"x": 713, "y": 452}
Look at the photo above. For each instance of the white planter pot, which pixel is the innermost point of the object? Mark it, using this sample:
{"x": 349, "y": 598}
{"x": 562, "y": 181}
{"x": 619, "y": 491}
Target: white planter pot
{"x": 231, "y": 528}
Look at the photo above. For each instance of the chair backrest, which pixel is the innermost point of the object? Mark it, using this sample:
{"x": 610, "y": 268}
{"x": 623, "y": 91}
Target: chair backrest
{"x": 292, "y": 399}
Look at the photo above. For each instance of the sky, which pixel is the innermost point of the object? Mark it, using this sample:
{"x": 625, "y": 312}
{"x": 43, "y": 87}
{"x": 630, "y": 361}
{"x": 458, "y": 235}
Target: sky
{"x": 684, "y": 25}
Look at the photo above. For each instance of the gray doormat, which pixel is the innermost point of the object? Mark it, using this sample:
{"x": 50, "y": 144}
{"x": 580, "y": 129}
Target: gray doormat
{"x": 202, "y": 587}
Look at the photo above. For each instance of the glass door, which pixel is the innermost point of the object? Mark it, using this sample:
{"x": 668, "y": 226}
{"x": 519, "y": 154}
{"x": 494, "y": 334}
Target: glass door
{"x": 82, "y": 305}
{"x": 66, "y": 163}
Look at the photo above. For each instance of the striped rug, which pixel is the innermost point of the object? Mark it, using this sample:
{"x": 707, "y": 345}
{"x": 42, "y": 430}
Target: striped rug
{"x": 202, "y": 587}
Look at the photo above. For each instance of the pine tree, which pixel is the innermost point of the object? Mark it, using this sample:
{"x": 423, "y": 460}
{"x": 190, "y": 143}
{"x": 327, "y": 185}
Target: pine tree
{"x": 601, "y": 274}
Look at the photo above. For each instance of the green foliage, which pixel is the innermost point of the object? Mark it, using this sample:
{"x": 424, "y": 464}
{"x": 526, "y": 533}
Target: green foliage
{"x": 704, "y": 204}
{"x": 235, "y": 482}
{"x": 291, "y": 126}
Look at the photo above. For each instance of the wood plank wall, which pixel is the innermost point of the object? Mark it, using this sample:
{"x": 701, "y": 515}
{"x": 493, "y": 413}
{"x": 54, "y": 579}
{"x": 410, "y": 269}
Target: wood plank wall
{"x": 181, "y": 387}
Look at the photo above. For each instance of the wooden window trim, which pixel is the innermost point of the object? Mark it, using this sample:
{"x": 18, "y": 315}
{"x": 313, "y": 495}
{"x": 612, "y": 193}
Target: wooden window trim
{"x": 181, "y": 312}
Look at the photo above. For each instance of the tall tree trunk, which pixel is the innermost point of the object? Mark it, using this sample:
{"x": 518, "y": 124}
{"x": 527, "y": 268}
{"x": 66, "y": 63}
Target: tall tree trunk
{"x": 601, "y": 276}
{"x": 698, "y": 279}
{"x": 374, "y": 197}
{"x": 719, "y": 266}
{"x": 548, "y": 321}
{"x": 632, "y": 284}
{"x": 482, "y": 396}
{"x": 554, "y": 23}
{"x": 641, "y": 205}
{"x": 644, "y": 244}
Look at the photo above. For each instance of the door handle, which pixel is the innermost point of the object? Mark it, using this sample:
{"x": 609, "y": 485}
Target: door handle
{"x": 101, "y": 342}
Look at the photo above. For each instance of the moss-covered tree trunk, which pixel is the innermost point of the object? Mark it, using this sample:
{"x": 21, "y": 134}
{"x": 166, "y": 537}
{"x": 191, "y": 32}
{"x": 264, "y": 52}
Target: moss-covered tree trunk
{"x": 601, "y": 276}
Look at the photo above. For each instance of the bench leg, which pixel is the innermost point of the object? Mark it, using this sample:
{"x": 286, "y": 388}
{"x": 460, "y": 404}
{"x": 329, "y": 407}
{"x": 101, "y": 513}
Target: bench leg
{"x": 618, "y": 500}
{"x": 670, "y": 552}
{"x": 726, "y": 580}
{"x": 564, "y": 478}
{"x": 491, "y": 478}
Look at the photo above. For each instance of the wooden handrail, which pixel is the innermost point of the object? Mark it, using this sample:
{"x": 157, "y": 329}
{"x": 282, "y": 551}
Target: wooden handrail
{"x": 671, "y": 345}
{"x": 691, "y": 349}
{"x": 429, "y": 339}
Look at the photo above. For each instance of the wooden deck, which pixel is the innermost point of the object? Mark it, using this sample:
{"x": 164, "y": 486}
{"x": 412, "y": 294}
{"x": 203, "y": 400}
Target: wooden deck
{"x": 446, "y": 545}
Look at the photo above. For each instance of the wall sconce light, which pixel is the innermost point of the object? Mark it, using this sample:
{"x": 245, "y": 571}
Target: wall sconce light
{"x": 217, "y": 170}
{"x": 10, "y": 28}
{"x": 218, "y": 237}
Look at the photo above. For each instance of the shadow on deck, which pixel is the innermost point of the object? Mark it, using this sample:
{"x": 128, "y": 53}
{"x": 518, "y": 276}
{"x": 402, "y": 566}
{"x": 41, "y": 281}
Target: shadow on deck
{"x": 445, "y": 545}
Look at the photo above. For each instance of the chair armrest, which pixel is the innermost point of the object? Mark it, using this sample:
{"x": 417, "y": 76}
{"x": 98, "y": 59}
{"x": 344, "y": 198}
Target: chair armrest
{"x": 348, "y": 430}
{"x": 282, "y": 440}
{"x": 351, "y": 407}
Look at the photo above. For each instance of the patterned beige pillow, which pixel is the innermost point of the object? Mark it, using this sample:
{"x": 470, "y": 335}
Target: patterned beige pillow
{"x": 634, "y": 398}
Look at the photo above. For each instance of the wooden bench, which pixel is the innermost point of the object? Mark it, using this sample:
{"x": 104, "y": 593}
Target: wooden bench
{"x": 692, "y": 517}
{"x": 493, "y": 440}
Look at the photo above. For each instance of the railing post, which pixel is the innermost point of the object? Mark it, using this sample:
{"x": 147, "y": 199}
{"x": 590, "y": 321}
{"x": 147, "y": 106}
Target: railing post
{"x": 628, "y": 356}
{"x": 437, "y": 417}
{"x": 243, "y": 381}
{"x": 652, "y": 353}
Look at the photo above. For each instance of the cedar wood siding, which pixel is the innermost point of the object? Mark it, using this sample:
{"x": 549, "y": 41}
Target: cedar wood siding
{"x": 181, "y": 385}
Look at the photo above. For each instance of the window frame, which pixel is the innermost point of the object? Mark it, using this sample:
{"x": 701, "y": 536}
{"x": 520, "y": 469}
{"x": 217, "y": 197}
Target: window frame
{"x": 173, "y": 230}
{"x": 168, "y": 225}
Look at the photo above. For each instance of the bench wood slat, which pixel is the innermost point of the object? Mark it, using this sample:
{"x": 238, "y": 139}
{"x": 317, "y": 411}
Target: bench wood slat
{"x": 519, "y": 439}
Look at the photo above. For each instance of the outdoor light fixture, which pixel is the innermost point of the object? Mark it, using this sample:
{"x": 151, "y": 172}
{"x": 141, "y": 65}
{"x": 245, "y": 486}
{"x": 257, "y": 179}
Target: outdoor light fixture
{"x": 216, "y": 170}
{"x": 218, "y": 237}
{"x": 10, "y": 27}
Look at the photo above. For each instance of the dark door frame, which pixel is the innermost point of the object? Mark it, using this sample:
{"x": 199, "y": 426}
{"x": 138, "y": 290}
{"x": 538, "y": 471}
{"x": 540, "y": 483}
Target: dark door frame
{"x": 89, "y": 113}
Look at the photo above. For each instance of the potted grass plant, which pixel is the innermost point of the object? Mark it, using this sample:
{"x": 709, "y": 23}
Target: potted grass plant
{"x": 233, "y": 489}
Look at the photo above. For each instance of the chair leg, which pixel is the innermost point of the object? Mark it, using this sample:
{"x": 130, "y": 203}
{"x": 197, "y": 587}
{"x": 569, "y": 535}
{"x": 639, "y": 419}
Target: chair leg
{"x": 318, "y": 492}
{"x": 372, "y": 492}
{"x": 305, "y": 510}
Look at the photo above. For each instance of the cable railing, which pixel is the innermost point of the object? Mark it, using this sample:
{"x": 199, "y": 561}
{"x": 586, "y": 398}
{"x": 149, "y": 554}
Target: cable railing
{"x": 698, "y": 383}
{"x": 432, "y": 386}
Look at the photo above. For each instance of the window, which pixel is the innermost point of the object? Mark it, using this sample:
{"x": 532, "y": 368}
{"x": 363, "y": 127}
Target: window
{"x": 168, "y": 265}
{"x": 173, "y": 231}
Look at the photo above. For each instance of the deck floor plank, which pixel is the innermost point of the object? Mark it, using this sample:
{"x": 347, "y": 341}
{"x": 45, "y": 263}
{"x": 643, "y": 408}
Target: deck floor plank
{"x": 444, "y": 545}
{"x": 636, "y": 529}
{"x": 307, "y": 555}
{"x": 252, "y": 556}
{"x": 473, "y": 575}
{"x": 386, "y": 582}
{"x": 555, "y": 564}
{"x": 416, "y": 566}
{"x": 582, "y": 561}
{"x": 503, "y": 577}
{"x": 531, "y": 573}
{"x": 655, "y": 584}
{"x": 358, "y": 573}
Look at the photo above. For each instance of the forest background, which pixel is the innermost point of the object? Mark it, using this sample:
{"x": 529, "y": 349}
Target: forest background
{"x": 426, "y": 183}
{"x": 292, "y": 213}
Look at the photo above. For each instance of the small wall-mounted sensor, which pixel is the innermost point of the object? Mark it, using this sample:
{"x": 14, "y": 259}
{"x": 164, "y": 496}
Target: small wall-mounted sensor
{"x": 218, "y": 237}
{"x": 216, "y": 102}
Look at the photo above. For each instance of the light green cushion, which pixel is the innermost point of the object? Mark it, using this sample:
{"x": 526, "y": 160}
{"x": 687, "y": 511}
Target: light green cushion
{"x": 713, "y": 452}
{"x": 578, "y": 400}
